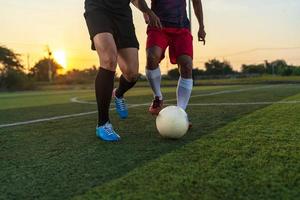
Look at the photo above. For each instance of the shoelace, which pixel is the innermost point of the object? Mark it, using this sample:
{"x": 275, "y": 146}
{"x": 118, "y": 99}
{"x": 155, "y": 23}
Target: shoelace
{"x": 121, "y": 104}
{"x": 109, "y": 129}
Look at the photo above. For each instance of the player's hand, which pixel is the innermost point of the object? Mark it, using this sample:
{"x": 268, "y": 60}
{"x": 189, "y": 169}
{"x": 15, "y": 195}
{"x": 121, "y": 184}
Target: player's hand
{"x": 201, "y": 35}
{"x": 152, "y": 19}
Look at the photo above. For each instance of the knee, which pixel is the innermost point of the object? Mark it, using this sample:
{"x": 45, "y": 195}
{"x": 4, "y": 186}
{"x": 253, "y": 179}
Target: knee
{"x": 130, "y": 70}
{"x": 186, "y": 68}
{"x": 131, "y": 76}
{"x": 108, "y": 58}
{"x": 108, "y": 61}
{"x": 186, "y": 71}
{"x": 152, "y": 61}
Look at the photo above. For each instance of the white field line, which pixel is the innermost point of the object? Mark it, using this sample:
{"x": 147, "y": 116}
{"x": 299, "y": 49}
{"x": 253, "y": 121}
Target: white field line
{"x": 206, "y": 104}
{"x": 244, "y": 103}
{"x": 46, "y": 119}
{"x": 75, "y": 100}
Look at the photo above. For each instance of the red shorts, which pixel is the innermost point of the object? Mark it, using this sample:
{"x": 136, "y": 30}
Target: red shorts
{"x": 179, "y": 41}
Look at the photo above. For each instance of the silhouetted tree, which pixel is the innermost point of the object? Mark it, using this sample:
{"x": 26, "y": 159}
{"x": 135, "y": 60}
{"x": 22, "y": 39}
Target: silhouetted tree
{"x": 198, "y": 72}
{"x": 9, "y": 60}
{"x": 174, "y": 73}
{"x": 216, "y": 67}
{"x": 253, "y": 69}
{"x": 12, "y": 76}
{"x": 78, "y": 76}
{"x": 280, "y": 67}
{"x": 296, "y": 71}
{"x": 40, "y": 70}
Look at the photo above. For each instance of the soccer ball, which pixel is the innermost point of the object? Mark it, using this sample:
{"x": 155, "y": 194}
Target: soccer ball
{"x": 172, "y": 122}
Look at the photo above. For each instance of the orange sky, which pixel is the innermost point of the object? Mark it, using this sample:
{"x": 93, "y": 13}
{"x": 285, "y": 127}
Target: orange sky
{"x": 269, "y": 28}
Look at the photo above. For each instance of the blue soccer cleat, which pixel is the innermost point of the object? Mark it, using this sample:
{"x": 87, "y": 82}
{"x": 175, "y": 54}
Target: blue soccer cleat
{"x": 121, "y": 106}
{"x": 107, "y": 133}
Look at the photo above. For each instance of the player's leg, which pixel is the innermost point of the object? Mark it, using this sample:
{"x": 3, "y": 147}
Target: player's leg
{"x": 181, "y": 52}
{"x": 107, "y": 51}
{"x": 153, "y": 73}
{"x": 157, "y": 42}
{"x": 129, "y": 65}
{"x": 185, "y": 82}
{"x": 101, "y": 32}
{"x": 127, "y": 45}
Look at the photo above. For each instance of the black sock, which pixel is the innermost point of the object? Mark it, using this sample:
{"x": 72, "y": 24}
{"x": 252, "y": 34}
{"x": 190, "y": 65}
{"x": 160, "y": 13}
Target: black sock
{"x": 124, "y": 86}
{"x": 104, "y": 85}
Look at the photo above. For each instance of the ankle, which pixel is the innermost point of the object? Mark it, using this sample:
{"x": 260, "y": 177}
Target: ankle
{"x": 102, "y": 123}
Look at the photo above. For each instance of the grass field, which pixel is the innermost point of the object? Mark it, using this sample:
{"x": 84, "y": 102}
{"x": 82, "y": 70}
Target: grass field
{"x": 243, "y": 145}
{"x": 264, "y": 79}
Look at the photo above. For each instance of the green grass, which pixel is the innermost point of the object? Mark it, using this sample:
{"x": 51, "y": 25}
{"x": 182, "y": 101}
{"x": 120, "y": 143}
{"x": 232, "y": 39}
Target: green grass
{"x": 10, "y": 100}
{"x": 62, "y": 159}
{"x": 255, "y": 157}
{"x": 22, "y": 106}
{"x": 38, "y": 98}
{"x": 264, "y": 79}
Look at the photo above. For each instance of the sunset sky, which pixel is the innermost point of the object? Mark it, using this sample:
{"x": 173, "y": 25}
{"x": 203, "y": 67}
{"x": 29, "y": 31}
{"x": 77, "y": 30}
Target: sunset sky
{"x": 241, "y": 31}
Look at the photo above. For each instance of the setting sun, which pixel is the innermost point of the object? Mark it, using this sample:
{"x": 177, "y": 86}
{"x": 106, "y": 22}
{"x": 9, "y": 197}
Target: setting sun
{"x": 60, "y": 58}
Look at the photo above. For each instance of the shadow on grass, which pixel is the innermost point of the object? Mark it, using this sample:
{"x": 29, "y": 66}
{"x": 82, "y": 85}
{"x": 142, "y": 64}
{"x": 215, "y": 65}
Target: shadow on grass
{"x": 62, "y": 159}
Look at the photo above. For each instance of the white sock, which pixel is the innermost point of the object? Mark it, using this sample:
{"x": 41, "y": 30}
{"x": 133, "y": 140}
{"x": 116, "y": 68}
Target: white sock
{"x": 154, "y": 78}
{"x": 184, "y": 90}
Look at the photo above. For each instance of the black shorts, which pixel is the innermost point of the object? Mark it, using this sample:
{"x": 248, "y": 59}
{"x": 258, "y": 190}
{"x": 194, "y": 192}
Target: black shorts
{"x": 120, "y": 26}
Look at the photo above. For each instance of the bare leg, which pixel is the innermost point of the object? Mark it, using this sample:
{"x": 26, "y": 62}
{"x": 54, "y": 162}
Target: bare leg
{"x": 185, "y": 82}
{"x": 129, "y": 65}
{"x": 107, "y": 51}
{"x": 153, "y": 71}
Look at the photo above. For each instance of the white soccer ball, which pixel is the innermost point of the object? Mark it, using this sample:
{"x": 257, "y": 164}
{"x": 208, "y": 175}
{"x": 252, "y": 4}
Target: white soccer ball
{"x": 172, "y": 122}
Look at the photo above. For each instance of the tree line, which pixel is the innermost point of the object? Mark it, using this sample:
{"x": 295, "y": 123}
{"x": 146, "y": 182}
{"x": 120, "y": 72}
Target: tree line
{"x": 14, "y": 77}
{"x": 215, "y": 68}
